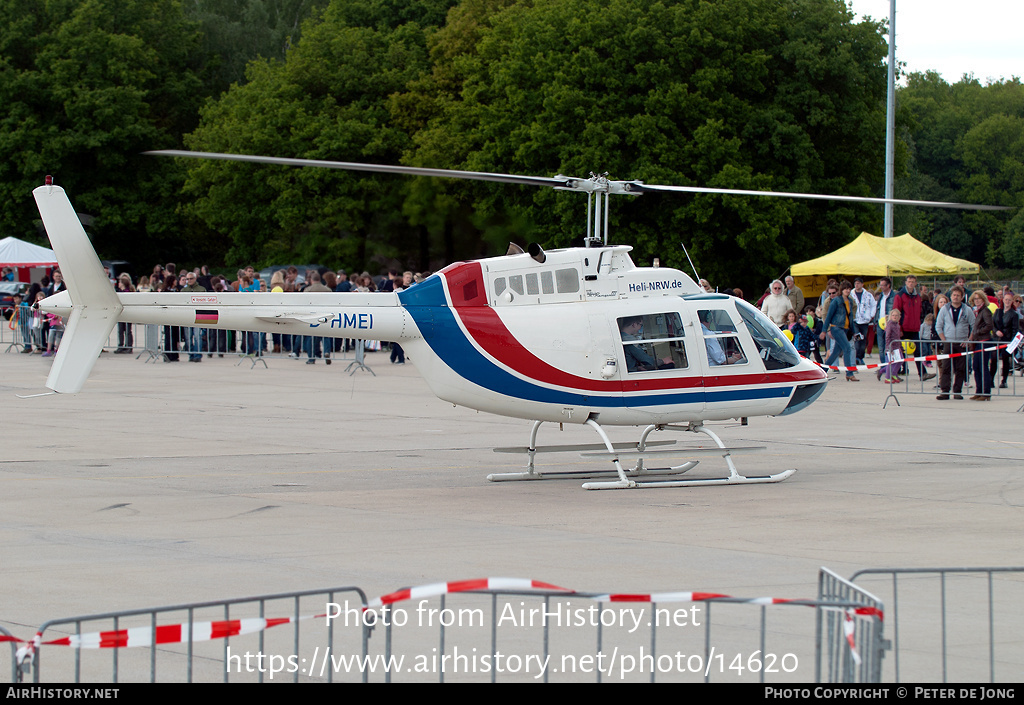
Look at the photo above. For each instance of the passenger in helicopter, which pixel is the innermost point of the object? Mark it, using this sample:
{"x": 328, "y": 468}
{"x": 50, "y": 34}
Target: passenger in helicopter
{"x": 637, "y": 359}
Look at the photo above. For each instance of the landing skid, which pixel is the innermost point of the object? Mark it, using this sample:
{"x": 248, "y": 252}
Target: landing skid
{"x": 634, "y": 477}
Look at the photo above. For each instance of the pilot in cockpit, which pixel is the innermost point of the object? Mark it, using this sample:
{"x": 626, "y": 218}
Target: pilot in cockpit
{"x": 713, "y": 342}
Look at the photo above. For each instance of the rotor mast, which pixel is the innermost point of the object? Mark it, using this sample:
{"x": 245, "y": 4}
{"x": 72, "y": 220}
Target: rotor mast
{"x": 598, "y": 188}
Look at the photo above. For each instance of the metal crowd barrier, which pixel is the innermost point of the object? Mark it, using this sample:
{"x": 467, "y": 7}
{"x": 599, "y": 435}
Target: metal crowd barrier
{"x": 19, "y": 336}
{"x": 477, "y": 635}
{"x": 188, "y": 643}
{"x": 835, "y": 661}
{"x": 720, "y": 639}
{"x": 150, "y": 342}
{"x": 929, "y": 645}
{"x": 913, "y": 384}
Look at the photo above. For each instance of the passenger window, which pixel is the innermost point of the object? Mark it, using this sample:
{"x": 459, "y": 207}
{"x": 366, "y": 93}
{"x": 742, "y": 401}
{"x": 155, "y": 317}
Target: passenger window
{"x": 531, "y": 284}
{"x": 653, "y": 342}
{"x": 499, "y": 286}
{"x": 515, "y": 283}
{"x": 567, "y": 280}
{"x": 720, "y": 340}
{"x": 547, "y": 283}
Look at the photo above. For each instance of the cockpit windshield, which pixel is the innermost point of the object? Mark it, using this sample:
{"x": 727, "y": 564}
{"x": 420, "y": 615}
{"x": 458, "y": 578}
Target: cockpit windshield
{"x": 774, "y": 348}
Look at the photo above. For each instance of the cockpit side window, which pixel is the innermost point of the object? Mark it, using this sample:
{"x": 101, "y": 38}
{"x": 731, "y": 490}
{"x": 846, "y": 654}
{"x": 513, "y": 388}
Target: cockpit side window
{"x": 653, "y": 341}
{"x": 720, "y": 340}
{"x": 773, "y": 347}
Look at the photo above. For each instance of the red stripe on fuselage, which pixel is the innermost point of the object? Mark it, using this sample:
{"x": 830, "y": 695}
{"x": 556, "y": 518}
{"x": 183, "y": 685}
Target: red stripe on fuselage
{"x": 486, "y": 328}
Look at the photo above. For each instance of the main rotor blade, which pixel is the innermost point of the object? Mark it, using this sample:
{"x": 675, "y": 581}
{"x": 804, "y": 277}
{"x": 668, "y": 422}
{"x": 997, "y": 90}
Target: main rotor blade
{"x": 378, "y": 168}
{"x": 641, "y": 188}
{"x": 634, "y": 188}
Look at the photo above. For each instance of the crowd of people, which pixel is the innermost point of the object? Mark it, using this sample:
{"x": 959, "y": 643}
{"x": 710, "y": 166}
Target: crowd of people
{"x": 914, "y": 322}
{"x": 199, "y": 341}
{"x": 41, "y": 333}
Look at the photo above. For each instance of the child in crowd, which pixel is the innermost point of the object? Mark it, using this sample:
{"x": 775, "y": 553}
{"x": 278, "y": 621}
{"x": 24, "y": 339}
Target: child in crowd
{"x": 38, "y": 318}
{"x": 55, "y": 334}
{"x": 803, "y": 337}
{"x": 814, "y": 323}
{"x": 928, "y": 334}
{"x": 792, "y": 320}
{"x": 893, "y": 333}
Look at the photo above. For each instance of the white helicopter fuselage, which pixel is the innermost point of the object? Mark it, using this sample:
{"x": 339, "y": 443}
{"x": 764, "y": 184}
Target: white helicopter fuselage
{"x": 535, "y": 340}
{"x": 544, "y": 341}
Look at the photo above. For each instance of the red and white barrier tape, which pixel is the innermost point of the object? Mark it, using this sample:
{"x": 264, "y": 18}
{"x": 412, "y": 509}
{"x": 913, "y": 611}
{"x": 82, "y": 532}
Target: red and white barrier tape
{"x": 660, "y": 597}
{"x": 848, "y": 630}
{"x": 482, "y": 584}
{"x": 206, "y": 631}
{"x": 148, "y": 636}
{"x": 910, "y": 358}
{"x": 435, "y": 589}
{"x": 170, "y": 633}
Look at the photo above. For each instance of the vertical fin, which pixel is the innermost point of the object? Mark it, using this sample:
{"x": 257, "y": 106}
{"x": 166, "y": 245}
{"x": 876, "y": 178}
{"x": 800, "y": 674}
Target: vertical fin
{"x": 95, "y": 304}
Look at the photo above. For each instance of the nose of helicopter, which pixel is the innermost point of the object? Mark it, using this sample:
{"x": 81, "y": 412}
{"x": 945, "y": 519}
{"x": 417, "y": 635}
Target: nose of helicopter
{"x": 804, "y": 396}
{"x": 808, "y": 392}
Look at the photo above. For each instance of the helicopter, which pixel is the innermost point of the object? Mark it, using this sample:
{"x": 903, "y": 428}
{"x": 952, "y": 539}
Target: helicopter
{"x": 578, "y": 335}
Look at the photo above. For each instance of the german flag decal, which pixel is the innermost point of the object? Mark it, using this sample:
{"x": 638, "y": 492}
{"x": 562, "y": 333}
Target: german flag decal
{"x": 207, "y": 317}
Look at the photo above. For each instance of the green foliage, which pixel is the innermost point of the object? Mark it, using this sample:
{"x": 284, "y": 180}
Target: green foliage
{"x": 236, "y": 32}
{"x": 327, "y": 100}
{"x": 967, "y": 144}
{"x": 87, "y": 85}
{"x": 755, "y": 94}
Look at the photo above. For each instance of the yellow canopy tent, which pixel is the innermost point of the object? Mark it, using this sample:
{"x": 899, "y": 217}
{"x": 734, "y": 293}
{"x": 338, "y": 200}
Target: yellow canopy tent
{"x": 871, "y": 258}
{"x": 939, "y": 263}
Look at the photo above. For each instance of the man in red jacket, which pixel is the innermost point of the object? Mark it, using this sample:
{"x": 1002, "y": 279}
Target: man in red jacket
{"x": 908, "y": 302}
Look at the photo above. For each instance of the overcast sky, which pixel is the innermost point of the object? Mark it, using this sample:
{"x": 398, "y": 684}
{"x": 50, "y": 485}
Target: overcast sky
{"x": 983, "y": 37}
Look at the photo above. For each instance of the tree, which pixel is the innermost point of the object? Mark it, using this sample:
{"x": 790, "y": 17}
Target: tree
{"x": 737, "y": 93}
{"x": 733, "y": 93}
{"x": 239, "y": 31}
{"x": 966, "y": 144}
{"x": 327, "y": 100}
{"x": 87, "y": 85}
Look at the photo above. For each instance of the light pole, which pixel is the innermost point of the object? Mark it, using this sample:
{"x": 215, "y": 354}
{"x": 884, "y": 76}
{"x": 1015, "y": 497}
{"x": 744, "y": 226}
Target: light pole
{"x": 890, "y": 119}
